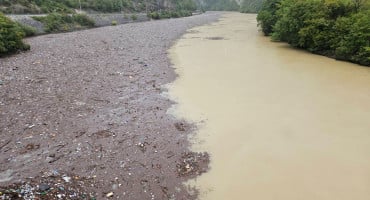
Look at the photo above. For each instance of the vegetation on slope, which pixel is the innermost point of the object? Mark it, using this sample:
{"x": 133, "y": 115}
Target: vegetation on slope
{"x": 35, "y": 6}
{"x": 11, "y": 35}
{"x": 335, "y": 28}
{"x": 245, "y": 6}
{"x": 250, "y": 6}
{"x": 108, "y": 6}
{"x": 220, "y": 5}
{"x": 179, "y": 8}
{"x": 56, "y": 22}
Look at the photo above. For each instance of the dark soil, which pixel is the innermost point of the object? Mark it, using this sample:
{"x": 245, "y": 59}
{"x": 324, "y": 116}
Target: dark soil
{"x": 87, "y": 105}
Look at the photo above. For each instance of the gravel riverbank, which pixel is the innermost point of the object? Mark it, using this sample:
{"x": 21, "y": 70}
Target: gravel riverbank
{"x": 87, "y": 105}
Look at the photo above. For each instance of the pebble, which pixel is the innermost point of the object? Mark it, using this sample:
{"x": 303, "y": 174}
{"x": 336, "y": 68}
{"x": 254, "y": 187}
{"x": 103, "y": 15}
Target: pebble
{"x": 44, "y": 187}
{"x": 110, "y": 194}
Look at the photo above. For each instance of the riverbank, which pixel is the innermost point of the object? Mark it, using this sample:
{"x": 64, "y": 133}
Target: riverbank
{"x": 89, "y": 104}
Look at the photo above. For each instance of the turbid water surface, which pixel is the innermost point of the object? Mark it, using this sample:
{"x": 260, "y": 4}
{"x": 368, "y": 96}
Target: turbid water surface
{"x": 279, "y": 123}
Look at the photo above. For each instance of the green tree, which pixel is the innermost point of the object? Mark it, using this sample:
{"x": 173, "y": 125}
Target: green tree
{"x": 353, "y": 41}
{"x": 335, "y": 28}
{"x": 267, "y": 16}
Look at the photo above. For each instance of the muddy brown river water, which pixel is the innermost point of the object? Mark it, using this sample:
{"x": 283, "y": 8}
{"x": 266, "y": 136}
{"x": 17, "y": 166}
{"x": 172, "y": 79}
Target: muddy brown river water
{"x": 279, "y": 123}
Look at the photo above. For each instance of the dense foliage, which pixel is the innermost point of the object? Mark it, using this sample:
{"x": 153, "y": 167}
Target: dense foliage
{"x": 63, "y": 22}
{"x": 267, "y": 16}
{"x": 11, "y": 35}
{"x": 335, "y": 28}
{"x": 251, "y": 6}
{"x": 179, "y": 8}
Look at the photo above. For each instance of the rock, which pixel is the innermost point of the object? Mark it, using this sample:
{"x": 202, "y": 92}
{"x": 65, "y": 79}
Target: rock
{"x": 44, "y": 187}
{"x": 110, "y": 194}
{"x": 49, "y": 159}
{"x": 6, "y": 175}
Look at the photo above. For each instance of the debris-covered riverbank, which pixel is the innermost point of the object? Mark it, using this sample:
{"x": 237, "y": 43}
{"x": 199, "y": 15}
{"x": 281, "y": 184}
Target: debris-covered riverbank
{"x": 87, "y": 105}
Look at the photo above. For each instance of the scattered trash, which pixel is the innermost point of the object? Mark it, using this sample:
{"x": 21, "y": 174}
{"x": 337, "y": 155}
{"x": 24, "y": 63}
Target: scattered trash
{"x": 48, "y": 187}
{"x": 180, "y": 126}
{"x": 66, "y": 179}
{"x": 31, "y": 126}
{"x": 193, "y": 163}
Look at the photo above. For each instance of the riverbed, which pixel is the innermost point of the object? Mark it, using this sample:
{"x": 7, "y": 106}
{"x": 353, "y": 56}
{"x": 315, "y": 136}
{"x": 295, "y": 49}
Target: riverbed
{"x": 279, "y": 123}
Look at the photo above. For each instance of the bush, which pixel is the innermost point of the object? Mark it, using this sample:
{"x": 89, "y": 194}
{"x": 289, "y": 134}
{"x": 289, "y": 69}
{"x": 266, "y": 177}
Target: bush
{"x": 169, "y": 14}
{"x": 11, "y": 36}
{"x": 83, "y": 20}
{"x": 63, "y": 23}
{"x": 134, "y": 17}
{"x": 28, "y": 30}
{"x": 154, "y": 15}
{"x": 114, "y": 23}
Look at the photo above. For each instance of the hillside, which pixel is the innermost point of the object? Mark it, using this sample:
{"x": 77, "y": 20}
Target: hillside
{"x": 246, "y": 6}
{"x": 71, "y": 6}
{"x": 251, "y": 6}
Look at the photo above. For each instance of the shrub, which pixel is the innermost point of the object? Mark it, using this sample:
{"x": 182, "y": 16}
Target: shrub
{"x": 134, "y": 17}
{"x": 169, "y": 14}
{"x": 28, "y": 30}
{"x": 11, "y": 36}
{"x": 83, "y": 20}
{"x": 114, "y": 23}
{"x": 63, "y": 23}
{"x": 154, "y": 15}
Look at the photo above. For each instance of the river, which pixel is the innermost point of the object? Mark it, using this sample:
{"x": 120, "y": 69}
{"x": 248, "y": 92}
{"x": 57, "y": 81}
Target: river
{"x": 279, "y": 123}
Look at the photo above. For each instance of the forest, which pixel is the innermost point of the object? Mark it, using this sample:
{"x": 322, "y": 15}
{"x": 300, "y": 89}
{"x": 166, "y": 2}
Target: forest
{"x": 334, "y": 28}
